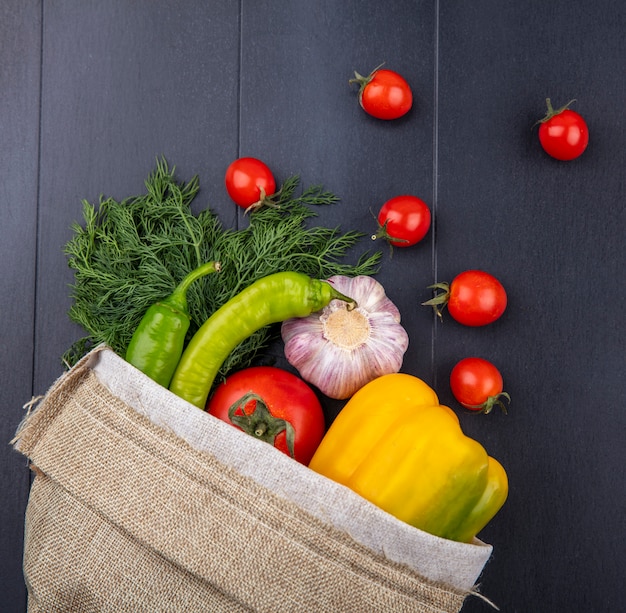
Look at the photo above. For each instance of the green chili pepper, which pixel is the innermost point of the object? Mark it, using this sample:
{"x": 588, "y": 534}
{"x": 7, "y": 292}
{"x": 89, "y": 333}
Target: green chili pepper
{"x": 269, "y": 300}
{"x": 158, "y": 341}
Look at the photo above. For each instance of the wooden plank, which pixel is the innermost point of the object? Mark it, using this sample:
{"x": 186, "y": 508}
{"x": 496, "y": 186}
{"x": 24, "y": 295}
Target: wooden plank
{"x": 300, "y": 114}
{"x": 124, "y": 84}
{"x": 20, "y": 32}
{"x": 553, "y": 233}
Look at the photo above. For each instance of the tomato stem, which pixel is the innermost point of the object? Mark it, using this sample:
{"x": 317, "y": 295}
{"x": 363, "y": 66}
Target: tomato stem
{"x": 439, "y": 301}
{"x": 362, "y": 81}
{"x": 260, "y": 423}
{"x": 383, "y": 233}
{"x": 492, "y": 401}
{"x": 265, "y": 200}
{"x": 552, "y": 112}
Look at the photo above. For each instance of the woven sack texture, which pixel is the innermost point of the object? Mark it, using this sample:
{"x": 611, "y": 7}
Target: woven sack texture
{"x": 142, "y": 502}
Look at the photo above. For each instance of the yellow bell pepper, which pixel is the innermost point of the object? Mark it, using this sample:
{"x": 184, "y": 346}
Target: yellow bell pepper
{"x": 396, "y": 446}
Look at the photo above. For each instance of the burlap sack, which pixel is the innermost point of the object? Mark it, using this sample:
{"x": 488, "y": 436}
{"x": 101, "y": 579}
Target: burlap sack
{"x": 142, "y": 502}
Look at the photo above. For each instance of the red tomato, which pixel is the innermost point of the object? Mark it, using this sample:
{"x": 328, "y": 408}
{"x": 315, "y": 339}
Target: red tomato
{"x": 563, "y": 133}
{"x": 384, "y": 94}
{"x": 403, "y": 221}
{"x": 249, "y": 181}
{"x": 273, "y": 405}
{"x": 474, "y": 298}
{"x": 477, "y": 384}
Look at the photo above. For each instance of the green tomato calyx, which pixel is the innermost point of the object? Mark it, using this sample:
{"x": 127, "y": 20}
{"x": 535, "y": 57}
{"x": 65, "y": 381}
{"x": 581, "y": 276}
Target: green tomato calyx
{"x": 260, "y": 423}
{"x": 382, "y": 232}
{"x": 270, "y": 201}
{"x": 491, "y": 402}
{"x": 439, "y": 301}
{"x": 552, "y": 112}
{"x": 362, "y": 81}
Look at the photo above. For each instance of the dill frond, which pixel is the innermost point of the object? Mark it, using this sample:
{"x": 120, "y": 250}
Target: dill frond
{"x": 129, "y": 254}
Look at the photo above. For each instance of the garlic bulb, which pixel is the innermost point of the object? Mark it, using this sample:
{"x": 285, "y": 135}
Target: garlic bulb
{"x": 340, "y": 350}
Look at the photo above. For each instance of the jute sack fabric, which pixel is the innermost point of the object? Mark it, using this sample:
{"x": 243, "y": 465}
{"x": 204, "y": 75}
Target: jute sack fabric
{"x": 142, "y": 502}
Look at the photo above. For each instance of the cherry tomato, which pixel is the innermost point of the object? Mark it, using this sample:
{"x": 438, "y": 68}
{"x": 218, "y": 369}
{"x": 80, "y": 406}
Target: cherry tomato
{"x": 403, "y": 221}
{"x": 563, "y": 133}
{"x": 272, "y": 405}
{"x": 249, "y": 182}
{"x": 477, "y": 385}
{"x": 384, "y": 94}
{"x": 474, "y": 298}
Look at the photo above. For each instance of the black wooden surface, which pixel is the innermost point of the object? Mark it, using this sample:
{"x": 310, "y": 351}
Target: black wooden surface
{"x": 92, "y": 92}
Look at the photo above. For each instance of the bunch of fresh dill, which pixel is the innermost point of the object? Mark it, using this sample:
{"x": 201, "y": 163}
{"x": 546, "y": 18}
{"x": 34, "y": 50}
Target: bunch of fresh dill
{"x": 129, "y": 254}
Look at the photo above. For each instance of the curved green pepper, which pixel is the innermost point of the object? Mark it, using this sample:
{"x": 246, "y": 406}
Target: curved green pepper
{"x": 158, "y": 341}
{"x": 269, "y": 300}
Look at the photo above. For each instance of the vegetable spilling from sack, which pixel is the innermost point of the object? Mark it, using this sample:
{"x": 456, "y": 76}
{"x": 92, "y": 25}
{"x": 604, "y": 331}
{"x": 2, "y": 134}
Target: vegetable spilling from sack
{"x": 394, "y": 444}
{"x": 130, "y": 254}
{"x": 192, "y": 305}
